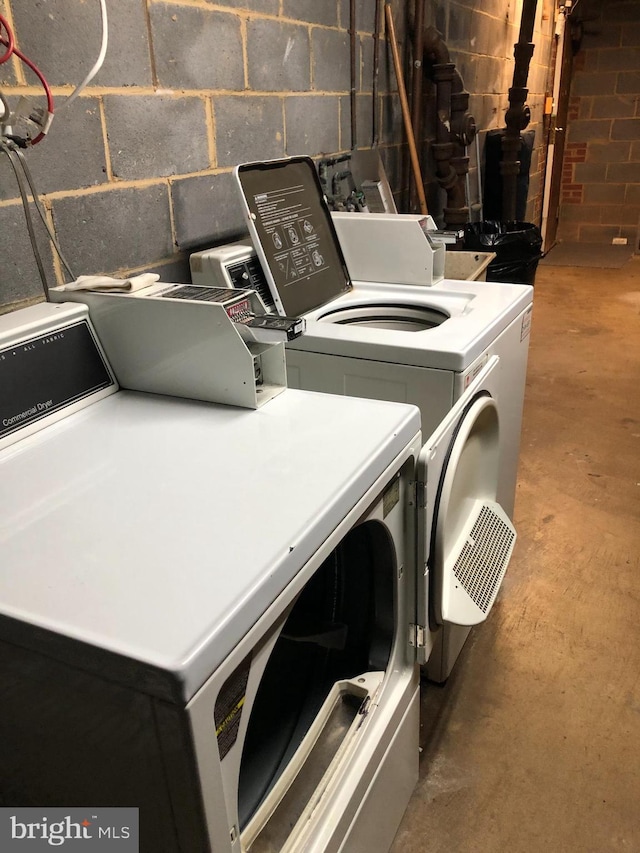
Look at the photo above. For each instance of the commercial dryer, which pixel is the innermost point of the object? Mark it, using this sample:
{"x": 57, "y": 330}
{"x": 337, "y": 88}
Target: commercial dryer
{"x": 215, "y": 614}
{"x": 384, "y": 340}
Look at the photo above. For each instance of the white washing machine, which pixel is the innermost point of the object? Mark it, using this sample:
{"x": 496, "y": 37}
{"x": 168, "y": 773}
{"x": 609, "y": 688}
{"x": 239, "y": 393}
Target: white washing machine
{"x": 215, "y": 614}
{"x": 409, "y": 343}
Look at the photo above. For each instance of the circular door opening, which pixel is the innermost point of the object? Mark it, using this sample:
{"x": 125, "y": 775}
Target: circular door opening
{"x": 473, "y": 535}
{"x": 472, "y": 471}
{"x": 396, "y": 318}
{"x": 342, "y": 624}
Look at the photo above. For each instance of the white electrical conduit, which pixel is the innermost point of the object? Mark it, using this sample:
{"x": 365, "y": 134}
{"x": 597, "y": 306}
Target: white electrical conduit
{"x": 467, "y": 188}
{"x": 99, "y": 61}
{"x": 6, "y": 110}
{"x": 561, "y": 23}
{"x": 479, "y": 173}
{"x": 478, "y": 206}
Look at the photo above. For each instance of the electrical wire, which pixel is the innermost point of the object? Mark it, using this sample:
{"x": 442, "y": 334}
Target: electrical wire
{"x": 45, "y": 86}
{"x": 27, "y": 216}
{"x": 12, "y": 50}
{"x": 38, "y": 205}
{"x": 10, "y": 43}
{"x": 99, "y": 61}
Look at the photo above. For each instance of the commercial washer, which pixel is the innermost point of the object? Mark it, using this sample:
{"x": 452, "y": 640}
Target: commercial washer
{"x": 408, "y": 336}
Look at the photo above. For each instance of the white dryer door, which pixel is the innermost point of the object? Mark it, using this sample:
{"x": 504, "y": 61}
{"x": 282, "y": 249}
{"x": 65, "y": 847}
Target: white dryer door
{"x": 465, "y": 537}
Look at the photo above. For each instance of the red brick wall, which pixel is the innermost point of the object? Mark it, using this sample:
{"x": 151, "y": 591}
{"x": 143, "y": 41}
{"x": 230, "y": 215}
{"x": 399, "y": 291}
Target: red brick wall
{"x": 572, "y": 191}
{"x": 600, "y": 197}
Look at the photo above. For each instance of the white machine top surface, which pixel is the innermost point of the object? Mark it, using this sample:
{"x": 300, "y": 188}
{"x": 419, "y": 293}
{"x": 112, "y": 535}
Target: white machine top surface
{"x": 161, "y": 528}
{"x": 478, "y": 312}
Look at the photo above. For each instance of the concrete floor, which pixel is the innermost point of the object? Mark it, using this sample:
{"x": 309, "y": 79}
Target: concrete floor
{"x": 534, "y": 742}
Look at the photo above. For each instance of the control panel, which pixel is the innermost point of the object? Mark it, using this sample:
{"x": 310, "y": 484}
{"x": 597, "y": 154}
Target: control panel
{"x": 50, "y": 362}
{"x": 202, "y": 342}
{"x": 233, "y": 265}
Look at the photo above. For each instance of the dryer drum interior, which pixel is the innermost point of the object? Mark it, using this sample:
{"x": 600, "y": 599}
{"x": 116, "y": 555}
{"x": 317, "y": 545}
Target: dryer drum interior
{"x": 399, "y": 318}
{"x": 340, "y": 628}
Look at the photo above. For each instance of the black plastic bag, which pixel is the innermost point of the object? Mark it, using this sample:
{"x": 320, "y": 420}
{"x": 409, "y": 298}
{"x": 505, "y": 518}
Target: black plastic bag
{"x": 517, "y": 246}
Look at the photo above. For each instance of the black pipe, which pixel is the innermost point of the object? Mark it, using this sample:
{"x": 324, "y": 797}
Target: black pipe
{"x": 455, "y": 128}
{"x": 376, "y": 73}
{"x": 518, "y": 114}
{"x": 437, "y": 53}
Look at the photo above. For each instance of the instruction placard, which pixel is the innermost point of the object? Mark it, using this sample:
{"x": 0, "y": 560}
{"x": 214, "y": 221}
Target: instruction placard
{"x": 293, "y": 226}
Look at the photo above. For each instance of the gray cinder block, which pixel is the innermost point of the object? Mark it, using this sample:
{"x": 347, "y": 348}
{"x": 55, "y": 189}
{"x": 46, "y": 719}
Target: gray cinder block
{"x": 156, "y": 136}
{"x": 114, "y": 229}
{"x": 392, "y": 124}
{"x": 20, "y": 279}
{"x": 331, "y": 61}
{"x": 624, "y": 173}
{"x": 279, "y": 56}
{"x": 604, "y": 194}
{"x": 618, "y": 59}
{"x": 63, "y": 38}
{"x": 206, "y": 210}
{"x": 614, "y": 107}
{"x": 70, "y": 157}
{"x": 590, "y": 173}
{"x": 312, "y": 124}
{"x": 366, "y": 16}
{"x": 248, "y": 128}
{"x": 586, "y": 130}
{"x": 312, "y": 11}
{"x": 627, "y": 128}
{"x": 600, "y": 83}
{"x": 269, "y": 7}
{"x": 196, "y": 48}
{"x": 176, "y": 271}
{"x": 627, "y": 83}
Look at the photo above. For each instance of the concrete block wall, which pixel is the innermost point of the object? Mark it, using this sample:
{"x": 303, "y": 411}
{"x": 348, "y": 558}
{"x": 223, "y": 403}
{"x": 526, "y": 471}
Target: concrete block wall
{"x": 480, "y": 38}
{"x": 600, "y": 197}
{"x": 138, "y": 170}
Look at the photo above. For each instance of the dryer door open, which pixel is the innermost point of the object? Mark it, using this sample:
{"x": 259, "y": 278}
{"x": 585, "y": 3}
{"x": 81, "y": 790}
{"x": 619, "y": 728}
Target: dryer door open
{"x": 465, "y": 537}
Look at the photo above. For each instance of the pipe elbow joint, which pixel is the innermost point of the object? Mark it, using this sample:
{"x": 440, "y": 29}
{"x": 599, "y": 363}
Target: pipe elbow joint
{"x": 435, "y": 50}
{"x": 464, "y": 128}
{"x": 518, "y": 117}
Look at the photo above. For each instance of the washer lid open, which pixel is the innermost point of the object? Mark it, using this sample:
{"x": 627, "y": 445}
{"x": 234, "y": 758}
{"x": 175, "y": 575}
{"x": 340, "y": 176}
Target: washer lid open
{"x": 295, "y": 238}
{"x": 466, "y": 537}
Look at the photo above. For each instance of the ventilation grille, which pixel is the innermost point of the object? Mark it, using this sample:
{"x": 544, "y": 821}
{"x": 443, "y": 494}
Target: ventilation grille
{"x": 484, "y": 558}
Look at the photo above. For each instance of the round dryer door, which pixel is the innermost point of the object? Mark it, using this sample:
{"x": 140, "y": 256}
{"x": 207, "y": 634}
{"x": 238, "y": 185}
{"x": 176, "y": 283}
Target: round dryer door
{"x": 469, "y": 536}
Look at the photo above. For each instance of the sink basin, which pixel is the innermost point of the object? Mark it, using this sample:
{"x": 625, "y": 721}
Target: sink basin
{"x": 467, "y": 266}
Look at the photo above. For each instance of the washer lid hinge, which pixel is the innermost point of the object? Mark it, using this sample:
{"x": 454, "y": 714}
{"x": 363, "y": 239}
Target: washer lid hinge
{"x": 417, "y": 636}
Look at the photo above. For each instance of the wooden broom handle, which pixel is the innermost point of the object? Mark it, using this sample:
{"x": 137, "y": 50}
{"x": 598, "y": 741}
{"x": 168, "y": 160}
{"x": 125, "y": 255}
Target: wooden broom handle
{"x": 406, "y": 115}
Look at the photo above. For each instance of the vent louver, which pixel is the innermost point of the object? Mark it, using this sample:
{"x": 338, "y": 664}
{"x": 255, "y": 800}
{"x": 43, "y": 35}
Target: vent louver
{"x": 483, "y": 560}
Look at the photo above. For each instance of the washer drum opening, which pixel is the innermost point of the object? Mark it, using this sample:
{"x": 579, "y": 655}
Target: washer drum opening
{"x": 389, "y": 316}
